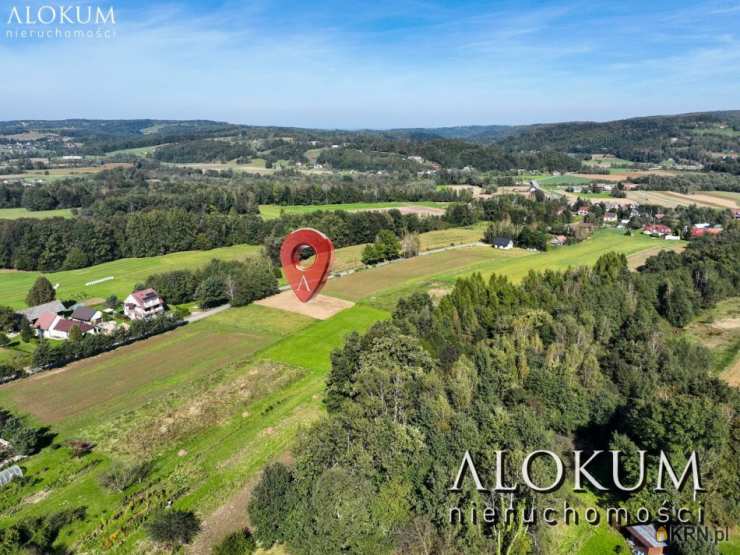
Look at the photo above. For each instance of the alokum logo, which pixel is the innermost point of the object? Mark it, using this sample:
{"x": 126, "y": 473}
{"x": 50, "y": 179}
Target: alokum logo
{"x": 52, "y": 21}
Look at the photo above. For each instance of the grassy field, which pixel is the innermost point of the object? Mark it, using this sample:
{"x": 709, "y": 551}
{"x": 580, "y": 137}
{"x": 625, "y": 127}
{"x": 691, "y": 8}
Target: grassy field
{"x": 384, "y": 285}
{"x": 366, "y": 283}
{"x": 213, "y": 402}
{"x": 17, "y": 213}
{"x": 563, "y": 180}
{"x": 272, "y": 211}
{"x": 142, "y": 151}
{"x": 55, "y": 174}
{"x": 125, "y": 273}
{"x": 719, "y": 329}
{"x": 18, "y": 352}
{"x": 208, "y": 419}
{"x": 735, "y": 197}
{"x": 130, "y": 376}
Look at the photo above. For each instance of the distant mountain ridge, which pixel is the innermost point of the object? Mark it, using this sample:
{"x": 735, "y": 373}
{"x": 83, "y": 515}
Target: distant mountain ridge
{"x": 711, "y": 139}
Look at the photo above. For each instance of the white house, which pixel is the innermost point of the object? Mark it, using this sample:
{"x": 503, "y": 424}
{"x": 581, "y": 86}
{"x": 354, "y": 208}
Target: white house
{"x": 503, "y": 243}
{"x": 52, "y": 326}
{"x": 143, "y": 304}
{"x": 87, "y": 315}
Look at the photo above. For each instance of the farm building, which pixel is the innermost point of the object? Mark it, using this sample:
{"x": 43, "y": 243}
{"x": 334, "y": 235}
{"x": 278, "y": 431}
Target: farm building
{"x": 53, "y": 326}
{"x": 503, "y": 243}
{"x": 647, "y": 539}
{"x": 35, "y": 312}
{"x": 143, "y": 304}
{"x": 558, "y": 240}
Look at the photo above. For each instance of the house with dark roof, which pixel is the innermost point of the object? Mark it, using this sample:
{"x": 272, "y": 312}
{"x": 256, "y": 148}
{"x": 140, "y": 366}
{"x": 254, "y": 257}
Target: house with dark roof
{"x": 503, "y": 243}
{"x": 33, "y": 313}
{"x": 87, "y": 315}
{"x": 647, "y": 539}
{"x": 143, "y": 304}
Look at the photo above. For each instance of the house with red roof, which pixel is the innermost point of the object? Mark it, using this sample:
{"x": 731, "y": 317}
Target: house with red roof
{"x": 656, "y": 229}
{"x": 143, "y": 304}
{"x": 701, "y": 231}
{"x": 53, "y": 326}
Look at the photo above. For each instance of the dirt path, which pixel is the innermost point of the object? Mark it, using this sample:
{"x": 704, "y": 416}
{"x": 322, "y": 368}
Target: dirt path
{"x": 195, "y": 316}
{"x": 732, "y": 374}
{"x": 229, "y": 517}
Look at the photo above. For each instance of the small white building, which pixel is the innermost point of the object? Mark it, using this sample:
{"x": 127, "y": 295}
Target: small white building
{"x": 503, "y": 243}
{"x": 143, "y": 304}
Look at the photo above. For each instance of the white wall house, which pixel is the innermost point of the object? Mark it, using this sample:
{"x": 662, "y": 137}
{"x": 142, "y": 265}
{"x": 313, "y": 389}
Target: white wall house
{"x": 143, "y": 304}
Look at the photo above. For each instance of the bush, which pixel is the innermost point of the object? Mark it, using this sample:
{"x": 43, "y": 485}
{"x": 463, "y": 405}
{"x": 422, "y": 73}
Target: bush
{"x": 80, "y": 447}
{"x": 238, "y": 543}
{"x": 121, "y": 476}
{"x": 173, "y": 527}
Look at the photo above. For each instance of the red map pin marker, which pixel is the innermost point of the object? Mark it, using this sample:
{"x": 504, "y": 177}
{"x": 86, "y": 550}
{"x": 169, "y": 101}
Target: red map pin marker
{"x": 306, "y": 282}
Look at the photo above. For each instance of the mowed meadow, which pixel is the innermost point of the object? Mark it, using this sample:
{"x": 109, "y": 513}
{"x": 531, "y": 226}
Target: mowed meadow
{"x": 272, "y": 211}
{"x": 127, "y": 272}
{"x": 119, "y": 276}
{"x": 384, "y": 285}
{"x": 211, "y": 403}
{"x": 17, "y": 213}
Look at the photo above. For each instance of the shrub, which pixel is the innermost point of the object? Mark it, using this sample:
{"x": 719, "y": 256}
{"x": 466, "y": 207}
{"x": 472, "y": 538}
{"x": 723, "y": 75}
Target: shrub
{"x": 173, "y": 527}
{"x": 238, "y": 543}
{"x": 121, "y": 476}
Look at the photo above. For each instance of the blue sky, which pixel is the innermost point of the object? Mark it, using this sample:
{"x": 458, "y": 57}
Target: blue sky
{"x": 380, "y": 63}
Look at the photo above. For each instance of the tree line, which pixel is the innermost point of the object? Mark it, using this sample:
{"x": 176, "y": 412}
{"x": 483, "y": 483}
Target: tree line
{"x": 56, "y": 244}
{"x": 589, "y": 356}
{"x": 219, "y": 282}
{"x": 142, "y": 188}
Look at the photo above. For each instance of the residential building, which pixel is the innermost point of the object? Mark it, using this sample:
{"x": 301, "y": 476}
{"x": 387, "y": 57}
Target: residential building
{"x": 33, "y": 313}
{"x": 53, "y": 326}
{"x": 87, "y": 315}
{"x": 697, "y": 231}
{"x": 648, "y": 540}
{"x": 143, "y": 304}
{"x": 503, "y": 243}
{"x": 658, "y": 230}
